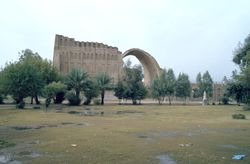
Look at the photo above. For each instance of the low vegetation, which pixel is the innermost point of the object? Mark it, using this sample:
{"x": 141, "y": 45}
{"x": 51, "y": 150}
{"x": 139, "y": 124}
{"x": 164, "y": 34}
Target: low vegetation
{"x": 239, "y": 116}
{"x": 126, "y": 134}
{"x": 6, "y": 144}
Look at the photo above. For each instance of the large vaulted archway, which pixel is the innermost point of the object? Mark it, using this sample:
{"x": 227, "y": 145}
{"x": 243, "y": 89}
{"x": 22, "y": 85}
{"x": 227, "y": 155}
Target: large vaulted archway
{"x": 150, "y": 66}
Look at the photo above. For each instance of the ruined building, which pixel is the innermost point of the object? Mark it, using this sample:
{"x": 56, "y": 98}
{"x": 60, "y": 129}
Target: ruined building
{"x": 92, "y": 57}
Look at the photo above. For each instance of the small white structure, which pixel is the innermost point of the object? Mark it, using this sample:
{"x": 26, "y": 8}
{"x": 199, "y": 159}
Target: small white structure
{"x": 204, "y": 100}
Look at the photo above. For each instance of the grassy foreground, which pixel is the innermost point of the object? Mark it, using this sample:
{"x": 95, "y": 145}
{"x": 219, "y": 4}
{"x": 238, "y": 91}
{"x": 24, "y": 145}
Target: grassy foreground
{"x": 126, "y": 134}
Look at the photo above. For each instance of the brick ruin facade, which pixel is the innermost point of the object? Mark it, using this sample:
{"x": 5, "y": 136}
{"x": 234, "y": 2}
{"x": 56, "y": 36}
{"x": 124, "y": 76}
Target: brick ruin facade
{"x": 96, "y": 58}
{"x": 92, "y": 57}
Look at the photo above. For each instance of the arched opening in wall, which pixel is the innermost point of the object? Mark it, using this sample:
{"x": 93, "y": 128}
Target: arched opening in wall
{"x": 151, "y": 68}
{"x": 133, "y": 61}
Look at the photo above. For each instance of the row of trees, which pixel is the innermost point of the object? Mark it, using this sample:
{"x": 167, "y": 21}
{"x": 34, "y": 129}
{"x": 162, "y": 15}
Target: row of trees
{"x": 27, "y": 77}
{"x": 32, "y": 76}
{"x": 166, "y": 85}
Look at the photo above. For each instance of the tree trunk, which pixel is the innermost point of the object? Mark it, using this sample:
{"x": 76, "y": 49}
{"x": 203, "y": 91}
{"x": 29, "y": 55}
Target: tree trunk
{"x": 37, "y": 101}
{"x": 31, "y": 100}
{"x": 134, "y": 102}
{"x": 78, "y": 94}
{"x": 169, "y": 99}
{"x": 159, "y": 101}
{"x": 102, "y": 97}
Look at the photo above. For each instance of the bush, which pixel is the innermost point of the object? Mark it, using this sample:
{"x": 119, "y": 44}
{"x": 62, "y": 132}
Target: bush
{"x": 97, "y": 101}
{"x": 5, "y": 144}
{"x": 246, "y": 107}
{"x": 1, "y": 99}
{"x": 20, "y": 105}
{"x": 59, "y": 97}
{"x": 47, "y": 102}
{"x": 87, "y": 102}
{"x": 239, "y": 116}
{"x": 225, "y": 100}
{"x": 73, "y": 99}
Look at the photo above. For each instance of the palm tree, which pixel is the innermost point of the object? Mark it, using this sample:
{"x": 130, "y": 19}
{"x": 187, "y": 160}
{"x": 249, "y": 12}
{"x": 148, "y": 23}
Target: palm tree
{"x": 104, "y": 82}
{"x": 76, "y": 80}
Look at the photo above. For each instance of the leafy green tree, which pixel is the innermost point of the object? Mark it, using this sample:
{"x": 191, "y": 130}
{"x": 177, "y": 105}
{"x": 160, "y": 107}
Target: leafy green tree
{"x": 76, "y": 81}
{"x": 135, "y": 89}
{"x": 120, "y": 89}
{"x": 91, "y": 90}
{"x": 2, "y": 90}
{"x": 235, "y": 90}
{"x": 45, "y": 67}
{"x": 21, "y": 80}
{"x": 28, "y": 57}
{"x": 130, "y": 86}
{"x": 104, "y": 83}
{"x": 170, "y": 84}
{"x": 198, "y": 91}
{"x": 141, "y": 92}
{"x": 163, "y": 86}
{"x": 242, "y": 59}
{"x": 205, "y": 84}
{"x": 27, "y": 76}
{"x": 158, "y": 89}
{"x": 183, "y": 86}
{"x": 55, "y": 91}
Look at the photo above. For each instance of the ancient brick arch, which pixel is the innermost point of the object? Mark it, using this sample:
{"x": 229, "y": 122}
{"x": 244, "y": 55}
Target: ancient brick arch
{"x": 150, "y": 66}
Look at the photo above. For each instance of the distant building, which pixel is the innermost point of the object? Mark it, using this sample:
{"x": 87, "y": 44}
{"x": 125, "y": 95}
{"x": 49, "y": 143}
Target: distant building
{"x": 96, "y": 58}
{"x": 92, "y": 57}
{"x": 218, "y": 91}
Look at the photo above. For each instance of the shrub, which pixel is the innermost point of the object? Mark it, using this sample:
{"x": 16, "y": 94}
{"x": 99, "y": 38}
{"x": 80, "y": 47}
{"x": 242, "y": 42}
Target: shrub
{"x": 5, "y": 144}
{"x": 20, "y": 105}
{"x": 47, "y": 102}
{"x": 87, "y": 102}
{"x": 1, "y": 99}
{"x": 225, "y": 100}
{"x": 246, "y": 107}
{"x": 59, "y": 97}
{"x": 73, "y": 99}
{"x": 97, "y": 102}
{"x": 239, "y": 116}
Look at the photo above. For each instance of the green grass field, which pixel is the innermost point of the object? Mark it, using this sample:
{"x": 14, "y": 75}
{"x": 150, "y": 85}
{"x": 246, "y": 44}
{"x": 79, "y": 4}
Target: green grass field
{"x": 125, "y": 134}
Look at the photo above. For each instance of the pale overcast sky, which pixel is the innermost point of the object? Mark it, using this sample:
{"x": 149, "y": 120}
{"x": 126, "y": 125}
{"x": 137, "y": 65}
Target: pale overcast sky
{"x": 189, "y": 36}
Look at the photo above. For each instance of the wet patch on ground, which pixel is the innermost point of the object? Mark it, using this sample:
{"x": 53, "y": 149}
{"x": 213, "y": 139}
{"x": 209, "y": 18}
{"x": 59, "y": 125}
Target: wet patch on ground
{"x": 128, "y": 111}
{"x": 23, "y": 151}
{"x": 36, "y": 127}
{"x": 234, "y": 147}
{"x": 86, "y": 113}
{"x": 165, "y": 159}
{"x": 151, "y": 136}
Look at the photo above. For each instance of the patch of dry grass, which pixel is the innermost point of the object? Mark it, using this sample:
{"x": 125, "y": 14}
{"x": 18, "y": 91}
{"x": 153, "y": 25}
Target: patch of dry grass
{"x": 133, "y": 137}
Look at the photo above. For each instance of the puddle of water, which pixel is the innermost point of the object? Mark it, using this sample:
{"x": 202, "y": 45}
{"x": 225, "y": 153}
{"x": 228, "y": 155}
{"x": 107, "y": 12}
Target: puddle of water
{"x": 15, "y": 162}
{"x": 165, "y": 159}
{"x": 85, "y": 113}
{"x": 36, "y": 127}
{"x": 4, "y": 158}
{"x": 128, "y": 111}
{"x": 160, "y": 134}
{"x": 229, "y": 146}
{"x": 31, "y": 154}
{"x": 235, "y": 147}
